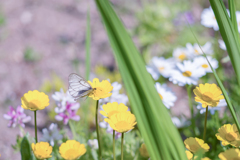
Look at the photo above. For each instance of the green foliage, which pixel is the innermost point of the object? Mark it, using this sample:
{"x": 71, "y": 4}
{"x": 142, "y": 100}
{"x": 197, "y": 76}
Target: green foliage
{"x": 25, "y": 149}
{"x": 30, "y": 55}
{"x": 153, "y": 119}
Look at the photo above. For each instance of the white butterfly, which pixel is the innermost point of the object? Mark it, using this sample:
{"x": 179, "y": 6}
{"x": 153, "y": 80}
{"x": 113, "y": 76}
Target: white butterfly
{"x": 79, "y": 87}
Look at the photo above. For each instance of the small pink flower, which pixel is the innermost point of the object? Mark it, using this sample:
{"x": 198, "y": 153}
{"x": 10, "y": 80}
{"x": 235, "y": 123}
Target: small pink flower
{"x": 16, "y": 117}
{"x": 69, "y": 113}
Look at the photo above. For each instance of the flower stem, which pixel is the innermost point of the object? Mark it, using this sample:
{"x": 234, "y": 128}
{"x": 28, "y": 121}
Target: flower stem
{"x": 114, "y": 157}
{"x": 189, "y": 87}
{"x": 98, "y": 136}
{"x": 205, "y": 124}
{"x": 122, "y": 146}
{"x": 71, "y": 125}
{"x": 35, "y": 122}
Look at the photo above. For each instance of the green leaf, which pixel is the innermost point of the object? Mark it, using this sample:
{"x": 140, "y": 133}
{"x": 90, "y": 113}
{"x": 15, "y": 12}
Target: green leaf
{"x": 228, "y": 34}
{"x": 233, "y": 47}
{"x": 160, "y": 135}
{"x": 88, "y": 46}
{"x": 25, "y": 149}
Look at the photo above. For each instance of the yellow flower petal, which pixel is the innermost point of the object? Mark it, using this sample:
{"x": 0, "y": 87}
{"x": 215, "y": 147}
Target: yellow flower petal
{"x": 34, "y": 100}
{"x": 208, "y": 94}
{"x": 72, "y": 150}
{"x": 42, "y": 150}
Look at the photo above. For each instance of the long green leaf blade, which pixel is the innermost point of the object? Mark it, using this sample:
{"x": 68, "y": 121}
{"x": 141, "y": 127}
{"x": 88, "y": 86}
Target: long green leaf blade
{"x": 161, "y": 136}
{"x": 228, "y": 34}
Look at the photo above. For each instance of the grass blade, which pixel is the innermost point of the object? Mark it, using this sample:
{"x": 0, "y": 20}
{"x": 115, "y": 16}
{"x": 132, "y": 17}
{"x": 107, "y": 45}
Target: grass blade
{"x": 160, "y": 135}
{"x": 87, "y": 47}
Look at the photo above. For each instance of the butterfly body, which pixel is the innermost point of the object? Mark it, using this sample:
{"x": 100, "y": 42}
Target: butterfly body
{"x": 79, "y": 87}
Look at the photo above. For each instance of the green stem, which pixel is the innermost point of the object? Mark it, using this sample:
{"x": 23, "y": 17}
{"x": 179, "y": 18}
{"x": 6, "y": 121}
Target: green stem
{"x": 98, "y": 136}
{"x": 189, "y": 87}
{"x": 122, "y": 146}
{"x": 205, "y": 124}
{"x": 35, "y": 122}
{"x": 114, "y": 156}
{"x": 71, "y": 125}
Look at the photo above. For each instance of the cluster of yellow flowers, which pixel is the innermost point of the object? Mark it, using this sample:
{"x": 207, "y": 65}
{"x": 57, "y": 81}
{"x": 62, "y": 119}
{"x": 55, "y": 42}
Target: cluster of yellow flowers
{"x": 210, "y": 95}
{"x": 118, "y": 117}
{"x": 70, "y": 150}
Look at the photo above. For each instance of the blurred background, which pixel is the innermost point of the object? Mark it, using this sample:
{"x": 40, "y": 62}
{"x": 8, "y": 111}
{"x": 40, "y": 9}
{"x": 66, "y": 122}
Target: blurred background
{"x": 43, "y": 41}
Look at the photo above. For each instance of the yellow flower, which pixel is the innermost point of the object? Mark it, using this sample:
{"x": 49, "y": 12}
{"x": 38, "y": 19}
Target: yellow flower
{"x": 101, "y": 89}
{"x": 110, "y": 109}
{"x": 42, "y": 150}
{"x": 143, "y": 151}
{"x": 230, "y": 154}
{"x": 189, "y": 155}
{"x": 195, "y": 145}
{"x": 122, "y": 122}
{"x": 34, "y": 100}
{"x": 205, "y": 158}
{"x": 72, "y": 150}
{"x": 228, "y": 134}
{"x": 208, "y": 94}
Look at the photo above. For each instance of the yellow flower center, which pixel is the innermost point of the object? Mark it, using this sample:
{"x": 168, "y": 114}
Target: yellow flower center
{"x": 112, "y": 113}
{"x": 205, "y": 66}
{"x": 34, "y": 104}
{"x": 160, "y": 96}
{"x": 187, "y": 74}
{"x": 161, "y": 69}
{"x": 122, "y": 125}
{"x": 231, "y": 136}
{"x": 182, "y": 56}
{"x": 196, "y": 51}
{"x": 194, "y": 147}
{"x": 71, "y": 153}
{"x": 207, "y": 96}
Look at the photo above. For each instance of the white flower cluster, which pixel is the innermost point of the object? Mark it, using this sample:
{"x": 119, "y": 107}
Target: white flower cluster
{"x": 186, "y": 66}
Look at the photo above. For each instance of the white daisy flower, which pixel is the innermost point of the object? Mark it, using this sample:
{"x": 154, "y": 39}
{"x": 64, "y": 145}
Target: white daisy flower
{"x": 186, "y": 73}
{"x": 93, "y": 143}
{"x": 202, "y": 62}
{"x": 195, "y": 50}
{"x": 208, "y": 19}
{"x": 222, "y": 45}
{"x": 181, "y": 54}
{"x": 167, "y": 96}
{"x": 160, "y": 66}
{"x": 51, "y": 135}
{"x": 222, "y": 103}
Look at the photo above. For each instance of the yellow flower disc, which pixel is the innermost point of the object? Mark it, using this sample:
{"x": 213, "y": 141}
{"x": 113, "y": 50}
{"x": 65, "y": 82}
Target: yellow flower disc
{"x": 195, "y": 145}
{"x": 208, "y": 94}
{"x": 101, "y": 89}
{"x": 230, "y": 154}
{"x": 110, "y": 109}
{"x": 42, "y": 150}
{"x": 228, "y": 134}
{"x": 122, "y": 122}
{"x": 72, "y": 150}
{"x": 189, "y": 155}
{"x": 34, "y": 100}
{"x": 143, "y": 151}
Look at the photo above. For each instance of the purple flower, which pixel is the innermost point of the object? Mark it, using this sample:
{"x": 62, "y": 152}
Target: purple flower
{"x": 69, "y": 113}
{"x": 16, "y": 117}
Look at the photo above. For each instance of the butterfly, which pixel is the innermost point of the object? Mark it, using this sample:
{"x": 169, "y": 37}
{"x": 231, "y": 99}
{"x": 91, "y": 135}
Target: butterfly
{"x": 79, "y": 87}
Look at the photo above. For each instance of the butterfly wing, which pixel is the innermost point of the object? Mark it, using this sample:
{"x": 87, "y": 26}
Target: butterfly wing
{"x": 78, "y": 86}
